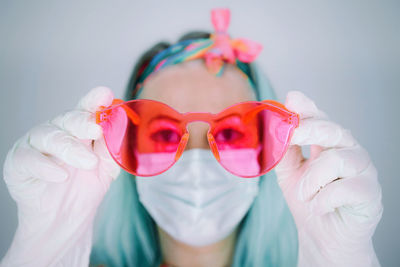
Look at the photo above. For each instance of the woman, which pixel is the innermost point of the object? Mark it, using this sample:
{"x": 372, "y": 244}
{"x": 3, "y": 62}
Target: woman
{"x": 59, "y": 172}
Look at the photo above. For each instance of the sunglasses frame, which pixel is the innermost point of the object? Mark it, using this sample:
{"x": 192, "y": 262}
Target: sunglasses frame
{"x": 290, "y": 117}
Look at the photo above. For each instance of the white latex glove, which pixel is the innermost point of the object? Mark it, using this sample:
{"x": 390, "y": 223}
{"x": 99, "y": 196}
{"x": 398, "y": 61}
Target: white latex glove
{"x": 334, "y": 195}
{"x": 58, "y": 174}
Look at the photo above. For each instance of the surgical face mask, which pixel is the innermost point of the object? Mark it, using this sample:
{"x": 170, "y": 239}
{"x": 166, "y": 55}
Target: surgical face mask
{"x": 197, "y": 201}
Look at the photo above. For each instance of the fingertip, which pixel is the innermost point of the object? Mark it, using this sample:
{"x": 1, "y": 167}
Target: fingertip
{"x": 296, "y": 99}
{"x": 79, "y": 123}
{"x": 347, "y": 139}
{"x": 98, "y": 96}
{"x": 298, "y": 102}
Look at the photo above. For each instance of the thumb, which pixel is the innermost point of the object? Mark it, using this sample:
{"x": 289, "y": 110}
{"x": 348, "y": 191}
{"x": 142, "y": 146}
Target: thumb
{"x": 290, "y": 162}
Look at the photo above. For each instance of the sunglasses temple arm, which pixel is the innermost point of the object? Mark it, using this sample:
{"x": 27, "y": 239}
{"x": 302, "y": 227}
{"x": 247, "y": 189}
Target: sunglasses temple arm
{"x": 132, "y": 115}
{"x": 292, "y": 119}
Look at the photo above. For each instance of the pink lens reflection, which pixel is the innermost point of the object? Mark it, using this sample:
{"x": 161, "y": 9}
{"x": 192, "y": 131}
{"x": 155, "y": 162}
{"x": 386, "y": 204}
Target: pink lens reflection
{"x": 150, "y": 163}
{"x": 276, "y": 134}
{"x": 143, "y": 136}
{"x": 260, "y": 147}
{"x": 240, "y": 161}
{"x": 114, "y": 129}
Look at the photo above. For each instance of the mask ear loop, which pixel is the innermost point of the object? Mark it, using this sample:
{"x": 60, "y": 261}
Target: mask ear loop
{"x": 292, "y": 117}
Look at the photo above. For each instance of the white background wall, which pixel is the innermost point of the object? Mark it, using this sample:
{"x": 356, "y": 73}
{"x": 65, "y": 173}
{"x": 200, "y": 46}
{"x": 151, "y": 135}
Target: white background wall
{"x": 343, "y": 54}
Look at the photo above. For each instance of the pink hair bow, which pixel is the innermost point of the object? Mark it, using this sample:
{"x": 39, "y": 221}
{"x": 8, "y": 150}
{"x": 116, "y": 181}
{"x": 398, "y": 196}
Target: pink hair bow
{"x": 225, "y": 49}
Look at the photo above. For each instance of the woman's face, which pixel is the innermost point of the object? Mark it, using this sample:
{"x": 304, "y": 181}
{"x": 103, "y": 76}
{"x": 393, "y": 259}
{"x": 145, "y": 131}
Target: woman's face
{"x": 190, "y": 87}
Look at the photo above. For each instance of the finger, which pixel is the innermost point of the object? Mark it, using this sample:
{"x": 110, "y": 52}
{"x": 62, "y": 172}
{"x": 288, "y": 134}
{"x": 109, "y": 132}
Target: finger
{"x": 290, "y": 162}
{"x": 26, "y": 162}
{"x": 323, "y": 133}
{"x": 353, "y": 192}
{"x": 297, "y": 102}
{"x": 331, "y": 165}
{"x": 49, "y": 139}
{"x": 81, "y": 124}
{"x": 97, "y": 97}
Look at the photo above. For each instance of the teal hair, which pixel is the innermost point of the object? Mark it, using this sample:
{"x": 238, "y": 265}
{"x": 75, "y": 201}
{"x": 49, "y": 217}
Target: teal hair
{"x": 125, "y": 234}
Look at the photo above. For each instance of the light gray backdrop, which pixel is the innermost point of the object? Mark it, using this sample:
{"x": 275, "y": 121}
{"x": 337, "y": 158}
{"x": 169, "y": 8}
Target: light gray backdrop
{"x": 343, "y": 54}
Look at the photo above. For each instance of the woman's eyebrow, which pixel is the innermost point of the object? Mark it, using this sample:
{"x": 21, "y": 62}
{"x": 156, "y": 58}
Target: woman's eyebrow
{"x": 162, "y": 117}
{"x": 177, "y": 121}
{"x": 228, "y": 116}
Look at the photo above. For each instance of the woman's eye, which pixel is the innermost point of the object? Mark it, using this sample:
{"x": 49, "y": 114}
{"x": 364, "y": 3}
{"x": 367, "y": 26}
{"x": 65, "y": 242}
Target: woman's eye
{"x": 228, "y": 135}
{"x": 166, "y": 136}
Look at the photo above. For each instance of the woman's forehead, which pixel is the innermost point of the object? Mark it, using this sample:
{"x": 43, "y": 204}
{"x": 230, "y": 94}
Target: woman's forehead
{"x": 190, "y": 87}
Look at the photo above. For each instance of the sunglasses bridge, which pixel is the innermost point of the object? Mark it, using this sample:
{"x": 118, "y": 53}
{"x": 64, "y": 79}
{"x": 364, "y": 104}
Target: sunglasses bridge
{"x": 198, "y": 117}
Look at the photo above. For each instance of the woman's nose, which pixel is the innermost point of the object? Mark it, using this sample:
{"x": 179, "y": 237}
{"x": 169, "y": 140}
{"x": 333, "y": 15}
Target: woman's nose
{"x": 197, "y": 135}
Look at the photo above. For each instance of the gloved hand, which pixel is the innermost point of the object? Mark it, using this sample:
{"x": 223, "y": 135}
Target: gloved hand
{"x": 334, "y": 195}
{"x": 58, "y": 174}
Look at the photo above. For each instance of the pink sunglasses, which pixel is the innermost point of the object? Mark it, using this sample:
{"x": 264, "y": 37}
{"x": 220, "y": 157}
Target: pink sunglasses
{"x": 146, "y": 137}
